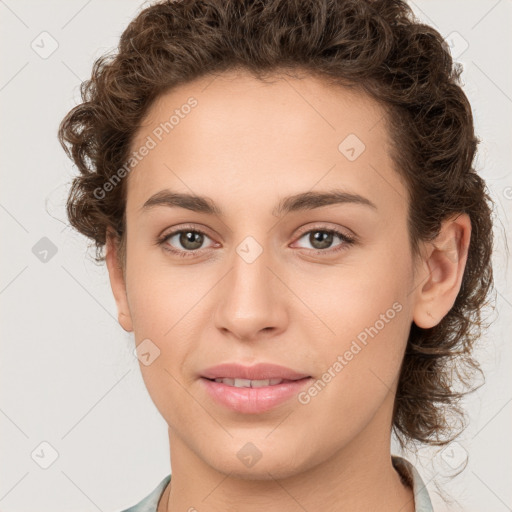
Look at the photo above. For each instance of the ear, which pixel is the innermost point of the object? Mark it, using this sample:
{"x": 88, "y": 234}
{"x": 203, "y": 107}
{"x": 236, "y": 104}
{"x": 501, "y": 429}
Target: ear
{"x": 441, "y": 271}
{"x": 117, "y": 282}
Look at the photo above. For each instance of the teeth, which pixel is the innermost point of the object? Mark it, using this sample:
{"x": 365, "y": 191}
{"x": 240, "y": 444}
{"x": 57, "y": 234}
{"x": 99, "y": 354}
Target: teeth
{"x": 246, "y": 383}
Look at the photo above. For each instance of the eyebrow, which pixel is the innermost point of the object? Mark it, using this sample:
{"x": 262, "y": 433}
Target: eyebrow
{"x": 294, "y": 203}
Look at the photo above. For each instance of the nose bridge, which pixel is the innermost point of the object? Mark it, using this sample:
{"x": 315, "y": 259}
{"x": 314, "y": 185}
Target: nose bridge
{"x": 248, "y": 303}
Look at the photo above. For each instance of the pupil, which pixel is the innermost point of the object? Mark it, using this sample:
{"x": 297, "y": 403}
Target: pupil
{"x": 324, "y": 239}
{"x": 193, "y": 238}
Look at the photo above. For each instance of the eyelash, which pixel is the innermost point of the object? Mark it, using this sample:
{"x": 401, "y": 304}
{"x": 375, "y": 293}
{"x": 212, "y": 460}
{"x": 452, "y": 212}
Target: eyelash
{"x": 348, "y": 241}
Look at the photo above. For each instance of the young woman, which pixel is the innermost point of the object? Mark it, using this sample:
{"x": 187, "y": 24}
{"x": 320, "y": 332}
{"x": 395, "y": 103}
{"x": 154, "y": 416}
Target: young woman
{"x": 284, "y": 196}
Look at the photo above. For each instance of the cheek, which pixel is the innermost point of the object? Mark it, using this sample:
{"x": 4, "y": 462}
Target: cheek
{"x": 359, "y": 357}
{"x": 169, "y": 321}
{"x": 354, "y": 295}
{"x": 159, "y": 295}
{"x": 167, "y": 307}
{"x": 362, "y": 312}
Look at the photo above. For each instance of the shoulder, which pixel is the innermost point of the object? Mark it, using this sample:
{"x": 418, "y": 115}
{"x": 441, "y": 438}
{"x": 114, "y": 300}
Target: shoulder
{"x": 411, "y": 475}
{"x": 150, "y": 502}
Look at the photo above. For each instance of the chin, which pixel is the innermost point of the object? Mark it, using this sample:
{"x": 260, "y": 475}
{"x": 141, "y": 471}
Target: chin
{"x": 267, "y": 464}
{"x": 259, "y": 473}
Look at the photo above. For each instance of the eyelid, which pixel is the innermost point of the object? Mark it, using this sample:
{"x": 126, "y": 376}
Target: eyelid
{"x": 166, "y": 233}
{"x": 325, "y": 227}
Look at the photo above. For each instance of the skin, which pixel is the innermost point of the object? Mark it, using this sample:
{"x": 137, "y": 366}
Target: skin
{"x": 246, "y": 146}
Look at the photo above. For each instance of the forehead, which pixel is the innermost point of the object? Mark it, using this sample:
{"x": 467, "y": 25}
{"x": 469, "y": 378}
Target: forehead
{"x": 235, "y": 133}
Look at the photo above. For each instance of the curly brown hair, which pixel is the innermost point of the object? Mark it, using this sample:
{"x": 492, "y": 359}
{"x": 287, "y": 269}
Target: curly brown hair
{"x": 377, "y": 46}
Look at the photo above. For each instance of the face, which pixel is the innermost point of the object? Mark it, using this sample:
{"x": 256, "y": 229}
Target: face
{"x": 319, "y": 284}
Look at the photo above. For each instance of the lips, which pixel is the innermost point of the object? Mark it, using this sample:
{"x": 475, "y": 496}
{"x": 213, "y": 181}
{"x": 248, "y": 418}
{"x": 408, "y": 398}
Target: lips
{"x": 258, "y": 372}
{"x": 252, "y": 389}
{"x": 254, "y": 400}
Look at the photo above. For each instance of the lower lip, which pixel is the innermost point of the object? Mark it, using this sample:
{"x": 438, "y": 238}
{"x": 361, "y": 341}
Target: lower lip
{"x": 254, "y": 400}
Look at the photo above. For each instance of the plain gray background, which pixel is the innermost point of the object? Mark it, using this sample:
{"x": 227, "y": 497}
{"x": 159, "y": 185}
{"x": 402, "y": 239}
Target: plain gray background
{"x": 71, "y": 386}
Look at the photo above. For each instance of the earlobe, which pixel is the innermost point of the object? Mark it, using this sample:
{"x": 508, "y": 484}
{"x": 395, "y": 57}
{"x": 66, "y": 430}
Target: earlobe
{"x": 117, "y": 283}
{"x": 442, "y": 270}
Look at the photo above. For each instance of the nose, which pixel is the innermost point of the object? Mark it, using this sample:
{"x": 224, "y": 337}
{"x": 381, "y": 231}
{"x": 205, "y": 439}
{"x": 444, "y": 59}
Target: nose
{"x": 251, "y": 299}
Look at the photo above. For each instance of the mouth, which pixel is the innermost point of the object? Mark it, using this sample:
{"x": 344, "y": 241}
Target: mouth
{"x": 253, "y": 383}
{"x": 253, "y": 396}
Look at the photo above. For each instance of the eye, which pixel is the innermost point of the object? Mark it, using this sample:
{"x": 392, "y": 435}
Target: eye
{"x": 183, "y": 242}
{"x": 321, "y": 239}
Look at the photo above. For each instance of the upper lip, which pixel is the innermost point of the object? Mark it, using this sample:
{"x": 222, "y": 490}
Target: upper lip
{"x": 260, "y": 371}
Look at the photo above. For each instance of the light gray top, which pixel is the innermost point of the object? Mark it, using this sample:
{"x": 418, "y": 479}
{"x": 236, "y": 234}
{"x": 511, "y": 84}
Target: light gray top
{"x": 403, "y": 466}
